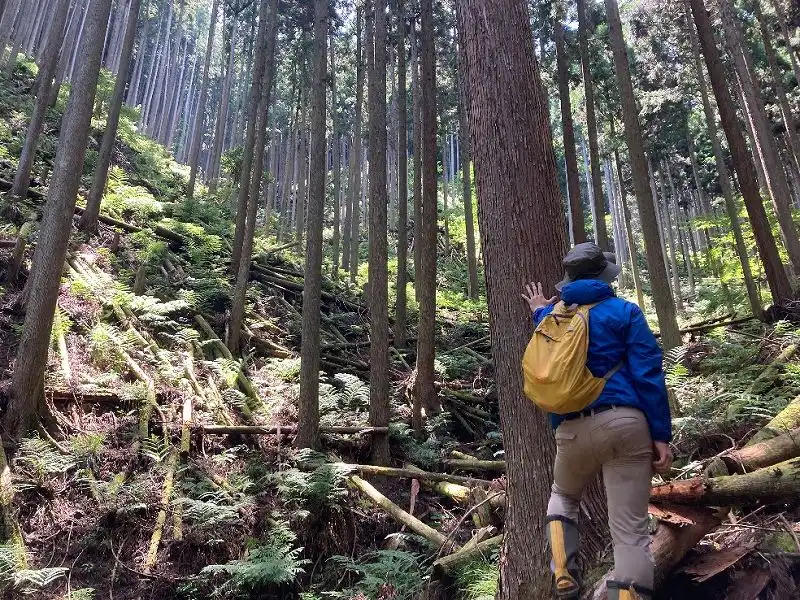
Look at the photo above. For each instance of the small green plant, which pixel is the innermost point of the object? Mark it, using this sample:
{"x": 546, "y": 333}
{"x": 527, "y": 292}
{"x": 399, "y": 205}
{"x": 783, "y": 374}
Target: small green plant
{"x": 395, "y": 574}
{"x": 104, "y": 343}
{"x": 87, "y": 447}
{"x": 211, "y": 510}
{"x": 286, "y": 369}
{"x": 478, "y": 580}
{"x": 311, "y": 491}
{"x": 38, "y": 458}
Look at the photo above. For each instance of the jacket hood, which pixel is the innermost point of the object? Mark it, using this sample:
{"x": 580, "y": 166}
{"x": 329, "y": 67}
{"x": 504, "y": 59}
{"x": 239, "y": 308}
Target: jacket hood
{"x": 586, "y": 291}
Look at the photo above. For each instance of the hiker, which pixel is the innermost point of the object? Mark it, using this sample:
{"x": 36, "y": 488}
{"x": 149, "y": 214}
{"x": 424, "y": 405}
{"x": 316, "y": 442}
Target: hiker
{"x": 596, "y": 367}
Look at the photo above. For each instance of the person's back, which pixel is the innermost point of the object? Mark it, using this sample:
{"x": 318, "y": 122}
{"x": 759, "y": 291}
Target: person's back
{"x": 616, "y": 434}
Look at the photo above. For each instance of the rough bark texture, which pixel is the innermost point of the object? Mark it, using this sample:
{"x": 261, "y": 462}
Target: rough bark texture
{"x": 665, "y": 310}
{"x": 28, "y": 377}
{"x": 742, "y": 160}
{"x": 425, "y": 391}
{"x": 401, "y": 307}
{"x": 521, "y": 241}
{"x": 308, "y": 408}
{"x": 88, "y": 219}
{"x": 600, "y": 231}
{"x": 378, "y": 243}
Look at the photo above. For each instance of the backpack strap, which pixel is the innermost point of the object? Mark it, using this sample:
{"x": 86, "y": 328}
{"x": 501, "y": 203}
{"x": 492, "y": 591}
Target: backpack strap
{"x": 614, "y": 370}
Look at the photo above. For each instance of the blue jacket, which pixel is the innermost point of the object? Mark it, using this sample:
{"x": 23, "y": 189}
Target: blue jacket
{"x": 619, "y": 332}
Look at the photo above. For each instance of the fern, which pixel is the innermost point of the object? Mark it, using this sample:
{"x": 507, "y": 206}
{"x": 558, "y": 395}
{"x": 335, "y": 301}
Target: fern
{"x": 314, "y": 490}
{"x": 28, "y": 581}
{"x": 83, "y": 594}
{"x": 210, "y": 511}
{"x": 274, "y": 561}
{"x": 386, "y": 573}
{"x": 156, "y": 448}
{"x": 41, "y": 460}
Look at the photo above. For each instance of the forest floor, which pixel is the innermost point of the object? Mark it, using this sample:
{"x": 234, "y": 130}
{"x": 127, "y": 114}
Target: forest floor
{"x": 139, "y": 497}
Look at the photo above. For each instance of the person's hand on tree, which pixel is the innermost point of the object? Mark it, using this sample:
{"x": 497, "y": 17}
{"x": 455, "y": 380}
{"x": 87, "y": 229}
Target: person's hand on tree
{"x": 535, "y": 297}
{"x": 662, "y": 461}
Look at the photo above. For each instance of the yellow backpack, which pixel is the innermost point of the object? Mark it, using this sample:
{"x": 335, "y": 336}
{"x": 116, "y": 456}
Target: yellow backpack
{"x": 556, "y": 377}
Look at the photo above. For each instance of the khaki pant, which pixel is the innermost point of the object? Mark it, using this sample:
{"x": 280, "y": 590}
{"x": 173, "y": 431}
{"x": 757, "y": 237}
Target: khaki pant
{"x": 618, "y": 442}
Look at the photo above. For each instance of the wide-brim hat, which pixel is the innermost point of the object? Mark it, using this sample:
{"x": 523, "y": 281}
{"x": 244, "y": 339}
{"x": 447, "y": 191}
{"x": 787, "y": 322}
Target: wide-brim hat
{"x": 588, "y": 261}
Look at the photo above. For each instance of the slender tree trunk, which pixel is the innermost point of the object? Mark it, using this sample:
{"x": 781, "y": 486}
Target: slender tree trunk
{"x": 336, "y": 141}
{"x": 665, "y": 309}
{"x": 199, "y": 117}
{"x": 222, "y": 114}
{"x": 570, "y": 156}
{"x": 670, "y": 236}
{"x": 501, "y": 57}
{"x": 355, "y": 190}
{"x": 308, "y": 413}
{"x": 417, "y": 160}
{"x": 302, "y": 181}
{"x": 28, "y": 378}
{"x": 637, "y": 279}
{"x": 88, "y": 221}
{"x": 22, "y": 177}
{"x": 401, "y": 307}
{"x": 426, "y": 271}
{"x": 742, "y": 160}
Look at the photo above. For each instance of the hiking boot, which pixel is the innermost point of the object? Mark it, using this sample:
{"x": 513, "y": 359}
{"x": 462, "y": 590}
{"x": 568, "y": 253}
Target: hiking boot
{"x": 562, "y": 533}
{"x": 627, "y": 591}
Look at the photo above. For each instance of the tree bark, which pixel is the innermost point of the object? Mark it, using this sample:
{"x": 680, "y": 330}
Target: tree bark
{"x": 782, "y": 23}
{"x": 424, "y": 390}
{"x": 665, "y": 309}
{"x": 401, "y": 306}
{"x": 88, "y": 220}
{"x": 670, "y": 235}
{"x": 222, "y": 113}
{"x": 336, "y": 142}
{"x": 28, "y": 378}
{"x": 600, "y": 231}
{"x": 355, "y": 190}
{"x": 501, "y": 57}
{"x": 742, "y": 160}
{"x": 200, "y": 112}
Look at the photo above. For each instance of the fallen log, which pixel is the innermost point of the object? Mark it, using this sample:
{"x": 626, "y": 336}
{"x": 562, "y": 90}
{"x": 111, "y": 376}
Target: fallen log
{"x": 411, "y": 474}
{"x": 85, "y": 397}
{"x": 429, "y": 533}
{"x": 8, "y": 243}
{"x": 758, "y": 456}
{"x": 289, "y": 429}
{"x": 450, "y": 563}
{"x": 263, "y": 275}
{"x": 776, "y": 484}
{"x": 671, "y": 543}
{"x": 460, "y": 494}
{"x": 161, "y": 518}
{"x": 6, "y": 186}
{"x": 710, "y": 326}
{"x": 159, "y": 230}
{"x": 772, "y": 369}
{"x": 787, "y": 419}
{"x": 474, "y": 464}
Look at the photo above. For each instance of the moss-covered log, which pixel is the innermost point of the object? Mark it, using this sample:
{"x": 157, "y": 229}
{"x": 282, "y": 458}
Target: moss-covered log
{"x": 787, "y": 419}
{"x": 450, "y": 563}
{"x": 497, "y": 466}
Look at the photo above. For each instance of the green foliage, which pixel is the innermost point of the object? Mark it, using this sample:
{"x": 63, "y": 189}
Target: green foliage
{"x": 126, "y": 202}
{"x": 478, "y": 580}
{"x": 287, "y": 369}
{"x": 38, "y": 458}
{"x": 87, "y": 447}
{"x": 393, "y": 574}
{"x": 210, "y": 511}
{"x": 425, "y": 454}
{"x": 321, "y": 487}
{"x": 104, "y": 343}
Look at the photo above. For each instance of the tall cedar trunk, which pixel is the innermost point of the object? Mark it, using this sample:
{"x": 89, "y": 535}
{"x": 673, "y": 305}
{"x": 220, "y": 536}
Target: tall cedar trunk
{"x": 425, "y": 390}
{"x": 378, "y": 242}
{"x": 246, "y": 168}
{"x": 591, "y": 132}
{"x": 355, "y": 188}
{"x": 88, "y": 221}
{"x": 222, "y": 113}
{"x": 529, "y": 246}
{"x": 44, "y": 282}
{"x": 264, "y": 75}
{"x": 22, "y": 177}
{"x": 347, "y": 225}
{"x": 764, "y": 140}
{"x": 570, "y": 155}
{"x": 724, "y": 178}
{"x": 416, "y": 133}
{"x": 302, "y": 181}
{"x": 473, "y": 285}
{"x": 670, "y": 235}
{"x": 308, "y": 407}
{"x": 789, "y": 120}
{"x": 616, "y": 229}
{"x": 336, "y": 137}
{"x": 626, "y": 212}
{"x": 402, "y": 180}
{"x": 742, "y": 160}
{"x": 200, "y": 111}
{"x": 668, "y": 325}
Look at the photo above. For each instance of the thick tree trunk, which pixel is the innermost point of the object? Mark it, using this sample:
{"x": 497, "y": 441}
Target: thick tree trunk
{"x": 88, "y": 221}
{"x": 308, "y": 407}
{"x": 570, "y": 155}
{"x": 200, "y": 112}
{"x": 507, "y": 167}
{"x": 601, "y": 234}
{"x": 665, "y": 309}
{"x": 742, "y": 160}
{"x": 401, "y": 306}
{"x": 426, "y": 270}
{"x": 28, "y": 377}
{"x": 22, "y": 177}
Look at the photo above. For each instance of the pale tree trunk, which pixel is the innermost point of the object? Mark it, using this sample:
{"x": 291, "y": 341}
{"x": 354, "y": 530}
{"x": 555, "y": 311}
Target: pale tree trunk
{"x": 724, "y": 176}
{"x": 263, "y": 78}
{"x": 665, "y": 309}
{"x": 633, "y": 254}
{"x": 601, "y": 234}
{"x": 308, "y": 406}
{"x": 378, "y": 242}
{"x": 501, "y": 57}
{"x": 199, "y": 117}
{"x": 416, "y": 133}
{"x": 355, "y": 189}
{"x": 286, "y": 188}
{"x": 302, "y": 181}
{"x": 22, "y": 177}
{"x": 88, "y": 221}
{"x": 568, "y": 129}
{"x": 9, "y": 15}
{"x": 616, "y": 224}
{"x": 473, "y": 285}
{"x": 742, "y": 160}
{"x": 28, "y": 378}
{"x": 336, "y": 138}
{"x": 222, "y": 113}
{"x": 670, "y": 236}
{"x": 587, "y": 170}
{"x": 446, "y": 176}
{"x": 401, "y": 307}
{"x": 425, "y": 391}
{"x": 762, "y": 135}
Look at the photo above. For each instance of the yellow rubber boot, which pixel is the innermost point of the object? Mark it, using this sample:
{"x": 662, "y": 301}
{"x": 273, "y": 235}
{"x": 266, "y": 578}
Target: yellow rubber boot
{"x": 627, "y": 591}
{"x": 562, "y": 533}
